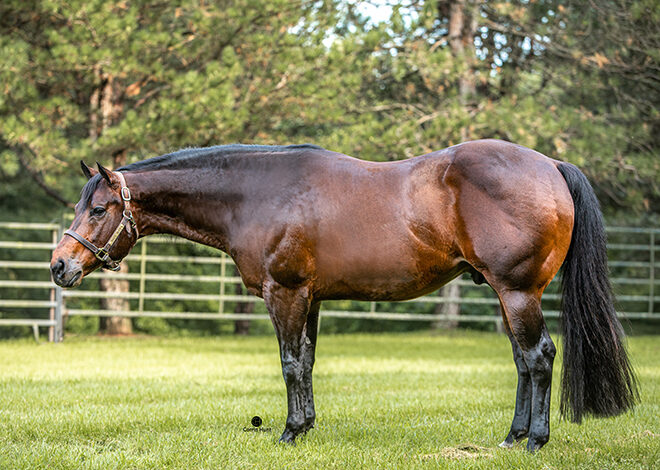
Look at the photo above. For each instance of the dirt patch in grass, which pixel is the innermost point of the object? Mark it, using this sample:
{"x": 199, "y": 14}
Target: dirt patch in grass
{"x": 461, "y": 452}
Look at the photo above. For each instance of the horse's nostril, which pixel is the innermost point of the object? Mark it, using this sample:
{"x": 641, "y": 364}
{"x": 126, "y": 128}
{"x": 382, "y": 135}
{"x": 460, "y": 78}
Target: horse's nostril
{"x": 57, "y": 268}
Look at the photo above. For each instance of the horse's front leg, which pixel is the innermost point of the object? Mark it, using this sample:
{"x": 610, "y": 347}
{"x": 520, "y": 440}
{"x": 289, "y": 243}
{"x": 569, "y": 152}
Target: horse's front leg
{"x": 289, "y": 310}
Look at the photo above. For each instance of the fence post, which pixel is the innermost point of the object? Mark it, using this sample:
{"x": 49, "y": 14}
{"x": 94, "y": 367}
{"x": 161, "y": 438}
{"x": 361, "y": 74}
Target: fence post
{"x": 59, "y": 321}
{"x": 51, "y": 314}
{"x": 143, "y": 271}
{"x": 56, "y": 333}
{"x": 223, "y": 273}
{"x": 652, "y": 269}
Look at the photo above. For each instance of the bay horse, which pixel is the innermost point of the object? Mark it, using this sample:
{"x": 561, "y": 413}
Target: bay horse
{"x": 304, "y": 224}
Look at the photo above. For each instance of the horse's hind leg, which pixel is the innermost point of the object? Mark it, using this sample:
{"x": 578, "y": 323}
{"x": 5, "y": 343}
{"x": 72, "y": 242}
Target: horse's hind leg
{"x": 522, "y": 413}
{"x": 289, "y": 309}
{"x": 523, "y": 313}
{"x": 311, "y": 331}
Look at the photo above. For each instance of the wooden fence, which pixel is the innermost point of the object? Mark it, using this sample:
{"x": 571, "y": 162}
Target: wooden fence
{"x": 206, "y": 285}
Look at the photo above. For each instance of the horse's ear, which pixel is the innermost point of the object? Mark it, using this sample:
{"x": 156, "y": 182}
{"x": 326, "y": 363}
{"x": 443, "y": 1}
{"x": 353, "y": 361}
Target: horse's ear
{"x": 108, "y": 175}
{"x": 87, "y": 171}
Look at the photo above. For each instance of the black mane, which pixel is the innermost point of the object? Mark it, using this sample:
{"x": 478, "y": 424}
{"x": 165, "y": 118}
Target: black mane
{"x": 88, "y": 190}
{"x": 198, "y": 157}
{"x": 191, "y": 158}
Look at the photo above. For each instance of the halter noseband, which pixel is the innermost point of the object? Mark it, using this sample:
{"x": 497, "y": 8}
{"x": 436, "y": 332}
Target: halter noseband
{"x": 127, "y": 221}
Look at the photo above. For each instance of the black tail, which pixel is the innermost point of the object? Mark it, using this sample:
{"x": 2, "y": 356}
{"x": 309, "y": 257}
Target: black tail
{"x": 597, "y": 377}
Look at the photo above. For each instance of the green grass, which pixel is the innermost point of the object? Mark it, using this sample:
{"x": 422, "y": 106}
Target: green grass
{"x": 383, "y": 401}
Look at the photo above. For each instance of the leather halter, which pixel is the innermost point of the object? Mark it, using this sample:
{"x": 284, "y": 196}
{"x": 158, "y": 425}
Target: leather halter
{"x": 127, "y": 222}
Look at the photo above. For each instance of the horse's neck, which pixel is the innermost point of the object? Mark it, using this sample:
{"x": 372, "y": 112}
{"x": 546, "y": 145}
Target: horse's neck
{"x": 188, "y": 203}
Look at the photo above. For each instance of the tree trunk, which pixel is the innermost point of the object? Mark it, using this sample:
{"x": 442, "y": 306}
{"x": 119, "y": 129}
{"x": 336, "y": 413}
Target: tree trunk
{"x": 116, "y": 325}
{"x": 453, "y": 309}
{"x": 105, "y": 99}
{"x": 242, "y": 327}
{"x": 462, "y": 28}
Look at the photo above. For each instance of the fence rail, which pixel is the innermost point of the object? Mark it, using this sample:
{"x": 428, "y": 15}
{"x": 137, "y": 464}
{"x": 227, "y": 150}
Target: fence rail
{"x": 207, "y": 285}
{"x": 54, "y": 304}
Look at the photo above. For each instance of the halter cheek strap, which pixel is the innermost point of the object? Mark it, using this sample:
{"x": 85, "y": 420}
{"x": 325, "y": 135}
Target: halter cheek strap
{"x": 127, "y": 223}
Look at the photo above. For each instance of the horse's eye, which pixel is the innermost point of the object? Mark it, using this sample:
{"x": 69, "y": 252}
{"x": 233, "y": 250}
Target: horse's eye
{"x": 98, "y": 211}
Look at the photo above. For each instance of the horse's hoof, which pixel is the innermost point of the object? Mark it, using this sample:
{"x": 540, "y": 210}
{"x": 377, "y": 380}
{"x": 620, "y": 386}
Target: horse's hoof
{"x": 506, "y": 445}
{"x": 288, "y": 438}
{"x": 533, "y": 445}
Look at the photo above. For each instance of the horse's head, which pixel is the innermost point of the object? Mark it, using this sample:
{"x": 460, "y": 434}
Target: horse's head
{"x": 102, "y": 232}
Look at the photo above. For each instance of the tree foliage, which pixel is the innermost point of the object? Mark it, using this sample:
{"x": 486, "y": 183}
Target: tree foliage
{"x": 95, "y": 80}
{"x": 116, "y": 81}
{"x": 577, "y": 81}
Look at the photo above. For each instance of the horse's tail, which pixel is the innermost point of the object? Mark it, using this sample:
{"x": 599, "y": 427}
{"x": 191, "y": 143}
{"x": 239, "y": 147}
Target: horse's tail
{"x": 597, "y": 377}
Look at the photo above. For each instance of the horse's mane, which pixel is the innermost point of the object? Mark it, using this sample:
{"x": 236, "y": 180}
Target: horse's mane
{"x": 192, "y": 158}
{"x": 88, "y": 190}
{"x": 199, "y": 157}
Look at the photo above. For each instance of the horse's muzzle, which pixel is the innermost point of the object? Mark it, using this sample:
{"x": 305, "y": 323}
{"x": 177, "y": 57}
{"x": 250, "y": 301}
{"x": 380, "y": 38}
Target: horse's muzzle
{"x": 66, "y": 274}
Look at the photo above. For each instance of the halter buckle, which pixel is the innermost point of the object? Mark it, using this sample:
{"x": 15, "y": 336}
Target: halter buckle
{"x": 125, "y": 193}
{"x": 102, "y": 255}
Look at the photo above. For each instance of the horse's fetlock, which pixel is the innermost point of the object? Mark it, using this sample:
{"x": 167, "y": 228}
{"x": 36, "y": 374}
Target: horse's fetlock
{"x": 520, "y": 434}
{"x": 296, "y": 423}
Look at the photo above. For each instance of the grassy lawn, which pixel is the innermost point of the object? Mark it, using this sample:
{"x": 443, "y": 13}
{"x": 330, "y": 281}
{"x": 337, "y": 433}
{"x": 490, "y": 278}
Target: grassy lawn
{"x": 383, "y": 401}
